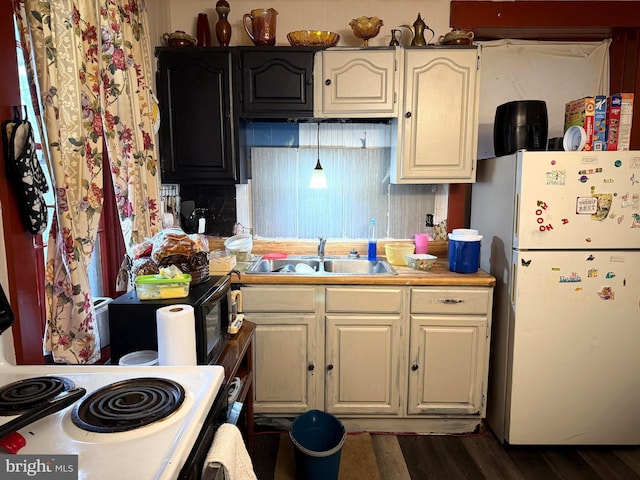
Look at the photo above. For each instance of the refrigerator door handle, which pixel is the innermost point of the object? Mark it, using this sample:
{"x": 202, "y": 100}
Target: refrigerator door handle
{"x": 516, "y": 220}
{"x": 514, "y": 276}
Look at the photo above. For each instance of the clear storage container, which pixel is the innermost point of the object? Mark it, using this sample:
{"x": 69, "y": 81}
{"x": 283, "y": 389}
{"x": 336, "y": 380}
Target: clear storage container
{"x": 156, "y": 287}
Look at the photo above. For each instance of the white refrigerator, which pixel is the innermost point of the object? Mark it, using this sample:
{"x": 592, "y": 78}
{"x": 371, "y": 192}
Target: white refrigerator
{"x": 561, "y": 234}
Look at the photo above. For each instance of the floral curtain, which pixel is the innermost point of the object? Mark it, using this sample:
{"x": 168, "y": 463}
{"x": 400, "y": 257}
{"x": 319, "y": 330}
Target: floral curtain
{"x": 92, "y": 66}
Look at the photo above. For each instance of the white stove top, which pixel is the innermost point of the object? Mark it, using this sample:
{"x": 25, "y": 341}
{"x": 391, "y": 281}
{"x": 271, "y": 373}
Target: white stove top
{"x": 155, "y": 451}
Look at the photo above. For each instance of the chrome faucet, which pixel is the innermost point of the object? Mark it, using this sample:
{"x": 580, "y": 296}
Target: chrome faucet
{"x": 321, "y": 247}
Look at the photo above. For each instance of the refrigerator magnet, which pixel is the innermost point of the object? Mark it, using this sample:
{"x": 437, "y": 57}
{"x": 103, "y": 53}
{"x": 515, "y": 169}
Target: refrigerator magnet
{"x": 606, "y": 293}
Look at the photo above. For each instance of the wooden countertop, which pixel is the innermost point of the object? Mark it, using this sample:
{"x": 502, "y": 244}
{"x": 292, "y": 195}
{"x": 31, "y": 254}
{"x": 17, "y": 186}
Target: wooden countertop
{"x": 438, "y": 275}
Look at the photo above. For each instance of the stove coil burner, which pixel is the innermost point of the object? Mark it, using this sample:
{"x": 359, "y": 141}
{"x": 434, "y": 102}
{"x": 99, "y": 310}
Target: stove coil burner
{"x": 23, "y": 395}
{"x": 128, "y": 405}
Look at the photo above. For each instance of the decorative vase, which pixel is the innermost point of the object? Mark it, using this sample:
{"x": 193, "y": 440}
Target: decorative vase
{"x": 223, "y": 27}
{"x": 203, "y": 33}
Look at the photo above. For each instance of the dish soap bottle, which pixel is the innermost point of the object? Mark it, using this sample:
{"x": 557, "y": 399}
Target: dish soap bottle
{"x": 373, "y": 245}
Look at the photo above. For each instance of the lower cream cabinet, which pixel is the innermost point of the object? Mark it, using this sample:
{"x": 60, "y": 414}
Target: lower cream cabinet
{"x": 363, "y": 350}
{"x": 288, "y": 352}
{"x": 394, "y": 358}
{"x": 449, "y": 350}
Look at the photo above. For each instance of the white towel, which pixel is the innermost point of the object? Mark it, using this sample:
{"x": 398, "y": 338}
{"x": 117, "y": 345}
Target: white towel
{"x": 228, "y": 450}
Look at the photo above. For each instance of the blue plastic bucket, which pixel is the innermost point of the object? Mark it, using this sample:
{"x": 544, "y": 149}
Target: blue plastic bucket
{"x": 318, "y": 438}
{"x": 464, "y": 253}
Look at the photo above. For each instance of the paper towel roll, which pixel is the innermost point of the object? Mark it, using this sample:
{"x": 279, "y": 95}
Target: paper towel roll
{"x": 176, "y": 335}
{"x": 168, "y": 220}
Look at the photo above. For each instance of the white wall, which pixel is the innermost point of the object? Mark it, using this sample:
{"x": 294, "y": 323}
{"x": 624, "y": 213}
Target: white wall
{"x": 334, "y": 15}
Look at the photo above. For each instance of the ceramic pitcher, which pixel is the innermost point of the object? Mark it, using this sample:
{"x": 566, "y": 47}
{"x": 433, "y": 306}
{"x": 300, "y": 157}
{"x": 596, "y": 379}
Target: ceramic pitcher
{"x": 260, "y": 25}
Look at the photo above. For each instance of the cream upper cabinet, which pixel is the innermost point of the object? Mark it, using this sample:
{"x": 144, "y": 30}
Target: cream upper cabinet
{"x": 288, "y": 373}
{"x": 363, "y": 350}
{"x": 449, "y": 350}
{"x": 356, "y": 83}
{"x": 438, "y": 122}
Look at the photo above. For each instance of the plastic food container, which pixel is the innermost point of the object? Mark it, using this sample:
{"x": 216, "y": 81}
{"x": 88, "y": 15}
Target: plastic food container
{"x": 155, "y": 287}
{"x": 396, "y": 252}
{"x": 421, "y": 261}
{"x": 140, "y": 358}
{"x": 221, "y": 262}
{"x": 240, "y": 246}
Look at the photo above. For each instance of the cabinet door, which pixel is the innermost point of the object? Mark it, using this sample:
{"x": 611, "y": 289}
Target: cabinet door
{"x": 286, "y": 364}
{"x": 447, "y": 364}
{"x": 438, "y": 126}
{"x": 277, "y": 82}
{"x": 357, "y": 83}
{"x": 289, "y": 344}
{"x": 362, "y": 364}
{"x": 196, "y": 121}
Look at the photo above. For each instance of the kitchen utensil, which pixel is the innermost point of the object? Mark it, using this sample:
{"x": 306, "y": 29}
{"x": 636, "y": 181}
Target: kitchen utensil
{"x": 575, "y": 138}
{"x": 274, "y": 256}
{"x": 50, "y": 406}
{"x": 140, "y": 358}
{"x": 520, "y": 124}
{"x": 286, "y": 268}
{"x": 396, "y": 36}
{"x": 240, "y": 246}
{"x": 313, "y": 38}
{"x": 263, "y": 25}
{"x": 422, "y": 242}
{"x": 418, "y": 32}
{"x": 464, "y": 250}
{"x": 179, "y": 39}
{"x": 366, "y": 28}
{"x": 396, "y": 252}
{"x": 457, "y": 37}
{"x": 420, "y": 261}
{"x": 303, "y": 268}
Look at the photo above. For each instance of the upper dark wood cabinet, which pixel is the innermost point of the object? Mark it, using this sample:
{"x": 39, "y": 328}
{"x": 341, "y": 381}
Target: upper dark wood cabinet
{"x": 198, "y": 127}
{"x": 277, "y": 82}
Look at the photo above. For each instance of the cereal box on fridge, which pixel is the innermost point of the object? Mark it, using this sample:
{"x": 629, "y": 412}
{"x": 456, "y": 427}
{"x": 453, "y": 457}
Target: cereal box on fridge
{"x": 600, "y": 123}
{"x": 619, "y": 118}
{"x": 581, "y": 113}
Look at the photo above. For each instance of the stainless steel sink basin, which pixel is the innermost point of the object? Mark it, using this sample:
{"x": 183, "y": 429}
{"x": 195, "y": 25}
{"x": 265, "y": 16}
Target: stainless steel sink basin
{"x": 358, "y": 266}
{"x": 303, "y": 265}
{"x": 289, "y": 265}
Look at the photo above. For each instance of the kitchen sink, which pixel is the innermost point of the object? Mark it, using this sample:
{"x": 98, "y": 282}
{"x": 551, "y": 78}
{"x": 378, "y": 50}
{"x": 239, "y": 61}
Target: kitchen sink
{"x": 302, "y": 265}
{"x": 358, "y": 266}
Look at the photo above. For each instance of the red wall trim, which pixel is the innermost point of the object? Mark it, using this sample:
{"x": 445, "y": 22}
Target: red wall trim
{"x": 21, "y": 261}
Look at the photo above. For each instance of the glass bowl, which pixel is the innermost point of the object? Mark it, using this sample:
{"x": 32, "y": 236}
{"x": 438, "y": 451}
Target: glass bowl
{"x": 313, "y": 38}
{"x": 366, "y": 28}
{"x": 421, "y": 261}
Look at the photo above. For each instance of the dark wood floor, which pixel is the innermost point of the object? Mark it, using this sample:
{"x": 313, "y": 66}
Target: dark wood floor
{"x": 480, "y": 456}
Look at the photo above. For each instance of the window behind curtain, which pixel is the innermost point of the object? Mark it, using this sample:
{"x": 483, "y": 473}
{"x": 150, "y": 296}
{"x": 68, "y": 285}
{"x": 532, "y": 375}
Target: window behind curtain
{"x": 356, "y": 159}
{"x": 40, "y": 241}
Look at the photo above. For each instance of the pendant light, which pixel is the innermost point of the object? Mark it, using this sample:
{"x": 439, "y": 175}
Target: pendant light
{"x": 318, "y": 177}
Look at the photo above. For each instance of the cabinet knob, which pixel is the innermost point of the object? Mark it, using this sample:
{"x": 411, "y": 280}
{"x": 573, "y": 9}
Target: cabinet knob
{"x": 329, "y": 367}
{"x": 327, "y": 82}
{"x": 311, "y": 367}
{"x": 407, "y": 115}
{"x": 414, "y": 367}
